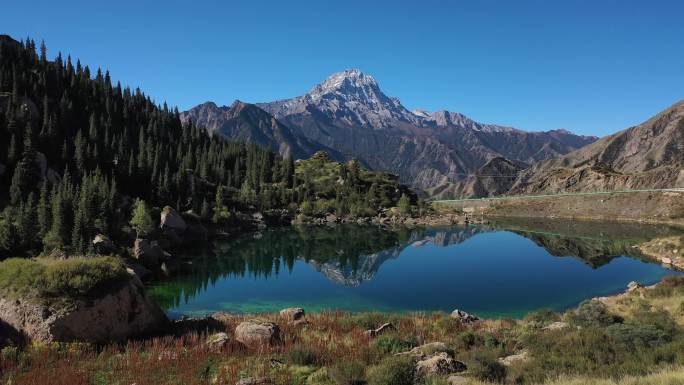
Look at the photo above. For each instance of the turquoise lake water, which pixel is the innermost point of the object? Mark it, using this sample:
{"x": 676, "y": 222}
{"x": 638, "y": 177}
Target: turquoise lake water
{"x": 490, "y": 271}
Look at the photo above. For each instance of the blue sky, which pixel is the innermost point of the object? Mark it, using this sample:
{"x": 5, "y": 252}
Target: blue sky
{"x": 591, "y": 66}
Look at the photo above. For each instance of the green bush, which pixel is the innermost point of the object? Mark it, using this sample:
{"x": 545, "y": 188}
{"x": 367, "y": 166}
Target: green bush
{"x": 658, "y": 318}
{"x": 469, "y": 339}
{"x": 485, "y": 367}
{"x": 633, "y": 336}
{"x": 301, "y": 355}
{"x": 542, "y": 317}
{"x": 347, "y": 373}
{"x": 392, "y": 343}
{"x": 592, "y": 314}
{"x": 395, "y": 370}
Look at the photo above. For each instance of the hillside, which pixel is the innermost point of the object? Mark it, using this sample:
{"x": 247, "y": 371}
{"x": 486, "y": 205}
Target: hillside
{"x": 350, "y": 117}
{"x": 77, "y": 151}
{"x": 650, "y": 155}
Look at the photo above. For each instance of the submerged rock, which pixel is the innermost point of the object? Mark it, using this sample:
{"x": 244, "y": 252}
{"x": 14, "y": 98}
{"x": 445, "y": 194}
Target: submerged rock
{"x": 118, "y": 315}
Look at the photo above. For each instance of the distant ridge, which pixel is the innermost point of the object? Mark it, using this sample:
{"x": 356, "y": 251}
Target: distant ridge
{"x": 349, "y": 116}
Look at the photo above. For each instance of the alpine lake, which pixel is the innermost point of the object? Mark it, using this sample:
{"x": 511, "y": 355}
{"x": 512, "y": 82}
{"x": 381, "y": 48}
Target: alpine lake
{"x": 502, "y": 269}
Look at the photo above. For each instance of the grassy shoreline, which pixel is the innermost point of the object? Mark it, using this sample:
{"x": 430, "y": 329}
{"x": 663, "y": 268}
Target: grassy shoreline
{"x": 618, "y": 340}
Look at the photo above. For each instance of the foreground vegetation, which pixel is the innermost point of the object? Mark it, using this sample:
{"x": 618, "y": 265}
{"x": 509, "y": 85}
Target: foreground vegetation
{"x": 635, "y": 338}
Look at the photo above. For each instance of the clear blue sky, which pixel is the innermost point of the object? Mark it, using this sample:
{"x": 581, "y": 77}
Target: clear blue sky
{"x": 591, "y": 66}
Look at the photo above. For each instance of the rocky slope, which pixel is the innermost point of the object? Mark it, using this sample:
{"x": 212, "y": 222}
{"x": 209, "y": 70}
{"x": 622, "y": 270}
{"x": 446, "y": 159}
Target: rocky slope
{"x": 650, "y": 155}
{"x": 349, "y": 113}
{"x": 496, "y": 177}
{"x": 248, "y": 122}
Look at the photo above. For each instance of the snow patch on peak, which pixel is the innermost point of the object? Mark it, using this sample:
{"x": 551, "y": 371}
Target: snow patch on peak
{"x": 421, "y": 113}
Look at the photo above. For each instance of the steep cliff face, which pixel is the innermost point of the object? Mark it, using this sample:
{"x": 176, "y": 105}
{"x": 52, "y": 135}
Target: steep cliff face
{"x": 650, "y": 155}
{"x": 116, "y": 316}
{"x": 349, "y": 116}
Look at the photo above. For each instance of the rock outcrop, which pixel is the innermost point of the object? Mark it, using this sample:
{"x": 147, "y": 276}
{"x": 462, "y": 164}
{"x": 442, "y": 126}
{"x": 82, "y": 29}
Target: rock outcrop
{"x": 103, "y": 244}
{"x": 118, "y": 315}
{"x": 147, "y": 252}
{"x": 463, "y": 317}
{"x": 171, "y": 220}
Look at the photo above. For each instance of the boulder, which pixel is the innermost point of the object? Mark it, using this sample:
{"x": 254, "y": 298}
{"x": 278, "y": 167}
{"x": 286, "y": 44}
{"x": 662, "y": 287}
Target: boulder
{"x": 456, "y": 380}
{"x": 463, "y": 317}
{"x": 522, "y": 356}
{"x": 384, "y": 328}
{"x": 118, "y": 315}
{"x": 218, "y": 341}
{"x": 257, "y": 332}
{"x": 254, "y": 381}
{"x": 633, "y": 286}
{"x": 439, "y": 364}
{"x": 171, "y": 266}
{"x": 103, "y": 245}
{"x": 292, "y": 314}
{"x": 139, "y": 271}
{"x": 171, "y": 220}
{"x": 555, "y": 326}
{"x": 426, "y": 350}
{"x": 666, "y": 260}
{"x": 149, "y": 253}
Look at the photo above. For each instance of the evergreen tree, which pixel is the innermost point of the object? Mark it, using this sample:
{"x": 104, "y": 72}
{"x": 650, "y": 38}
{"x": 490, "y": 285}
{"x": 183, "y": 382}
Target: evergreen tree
{"x": 141, "y": 220}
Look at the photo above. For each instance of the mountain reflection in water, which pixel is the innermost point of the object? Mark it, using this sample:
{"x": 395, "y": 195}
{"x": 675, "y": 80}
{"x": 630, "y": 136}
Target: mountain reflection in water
{"x": 351, "y": 256}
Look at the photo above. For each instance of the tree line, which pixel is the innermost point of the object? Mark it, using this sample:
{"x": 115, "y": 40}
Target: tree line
{"x": 76, "y": 150}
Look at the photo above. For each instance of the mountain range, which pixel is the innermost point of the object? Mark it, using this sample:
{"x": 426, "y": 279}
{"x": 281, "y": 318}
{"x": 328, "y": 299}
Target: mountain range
{"x": 349, "y": 116}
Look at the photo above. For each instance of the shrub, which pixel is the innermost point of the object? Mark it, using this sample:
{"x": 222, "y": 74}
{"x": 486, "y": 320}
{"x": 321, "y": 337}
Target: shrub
{"x": 592, "y": 313}
{"x": 485, "y": 367}
{"x": 392, "y": 343}
{"x": 347, "y": 373}
{"x": 301, "y": 355}
{"x": 658, "y": 318}
{"x": 469, "y": 339}
{"x": 635, "y": 336}
{"x": 542, "y": 317}
{"x": 392, "y": 371}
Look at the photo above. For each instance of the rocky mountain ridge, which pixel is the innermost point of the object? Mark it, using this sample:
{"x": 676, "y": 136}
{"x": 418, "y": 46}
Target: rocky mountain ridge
{"x": 350, "y": 116}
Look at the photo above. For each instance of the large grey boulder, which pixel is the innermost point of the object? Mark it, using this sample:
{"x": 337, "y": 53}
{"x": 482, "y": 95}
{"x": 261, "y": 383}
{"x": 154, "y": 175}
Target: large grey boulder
{"x": 171, "y": 220}
{"x": 257, "y": 333}
{"x": 121, "y": 314}
{"x": 439, "y": 364}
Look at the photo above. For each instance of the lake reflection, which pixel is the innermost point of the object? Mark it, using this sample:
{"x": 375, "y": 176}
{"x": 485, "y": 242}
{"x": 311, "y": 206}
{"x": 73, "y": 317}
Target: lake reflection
{"x": 500, "y": 270}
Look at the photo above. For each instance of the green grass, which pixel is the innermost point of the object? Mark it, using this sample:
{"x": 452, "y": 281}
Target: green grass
{"x": 60, "y": 280}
